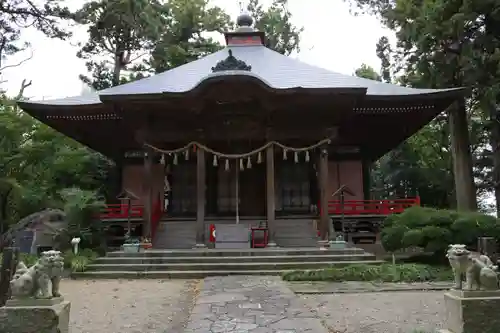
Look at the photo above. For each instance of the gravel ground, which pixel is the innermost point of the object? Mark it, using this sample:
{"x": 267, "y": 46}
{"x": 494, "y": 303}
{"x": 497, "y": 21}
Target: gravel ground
{"x": 129, "y": 306}
{"x": 388, "y": 312}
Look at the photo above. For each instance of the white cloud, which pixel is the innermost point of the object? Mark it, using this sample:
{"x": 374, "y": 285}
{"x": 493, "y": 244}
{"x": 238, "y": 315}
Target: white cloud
{"x": 332, "y": 38}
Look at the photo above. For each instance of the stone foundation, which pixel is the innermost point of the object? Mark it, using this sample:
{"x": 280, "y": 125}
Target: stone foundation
{"x": 35, "y": 316}
{"x": 472, "y": 311}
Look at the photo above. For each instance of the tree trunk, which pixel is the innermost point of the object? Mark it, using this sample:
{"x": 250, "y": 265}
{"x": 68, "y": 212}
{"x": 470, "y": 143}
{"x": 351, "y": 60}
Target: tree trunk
{"x": 462, "y": 161}
{"x": 495, "y": 148}
{"x": 116, "y": 71}
{"x": 9, "y": 263}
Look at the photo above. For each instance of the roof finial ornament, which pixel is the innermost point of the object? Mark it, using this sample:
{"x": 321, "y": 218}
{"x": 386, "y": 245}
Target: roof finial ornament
{"x": 244, "y": 19}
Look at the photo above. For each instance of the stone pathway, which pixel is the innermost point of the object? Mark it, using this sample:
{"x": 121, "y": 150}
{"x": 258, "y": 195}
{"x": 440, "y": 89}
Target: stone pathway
{"x": 349, "y": 287}
{"x": 250, "y": 304}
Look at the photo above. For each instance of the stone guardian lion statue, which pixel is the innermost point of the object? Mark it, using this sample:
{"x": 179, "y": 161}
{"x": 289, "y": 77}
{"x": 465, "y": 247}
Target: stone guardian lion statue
{"x": 40, "y": 280}
{"x": 478, "y": 269}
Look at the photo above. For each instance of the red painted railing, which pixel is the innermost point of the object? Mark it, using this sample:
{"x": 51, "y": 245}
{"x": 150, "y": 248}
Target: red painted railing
{"x": 120, "y": 211}
{"x": 373, "y": 207}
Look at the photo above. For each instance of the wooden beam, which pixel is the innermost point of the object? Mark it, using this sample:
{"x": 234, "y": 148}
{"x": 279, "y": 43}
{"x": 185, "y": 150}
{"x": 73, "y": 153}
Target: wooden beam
{"x": 323, "y": 195}
{"x": 223, "y": 134}
{"x": 148, "y": 192}
{"x": 200, "y": 197}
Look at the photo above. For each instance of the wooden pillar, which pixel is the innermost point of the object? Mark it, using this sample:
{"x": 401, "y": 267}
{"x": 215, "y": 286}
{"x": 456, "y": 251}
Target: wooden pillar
{"x": 148, "y": 192}
{"x": 323, "y": 193}
{"x": 200, "y": 197}
{"x": 366, "y": 179}
{"x": 270, "y": 197}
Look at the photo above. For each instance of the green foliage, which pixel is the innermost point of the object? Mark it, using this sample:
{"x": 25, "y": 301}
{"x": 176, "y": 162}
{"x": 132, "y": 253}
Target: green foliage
{"x": 81, "y": 208}
{"x": 282, "y": 36}
{"x": 28, "y": 259}
{"x": 138, "y": 38}
{"x": 433, "y": 229}
{"x": 80, "y": 261}
{"x": 183, "y": 39}
{"x": 367, "y": 72}
{"x": 442, "y": 44}
{"x": 36, "y": 163}
{"x": 382, "y": 273}
{"x": 121, "y": 31}
{"x": 17, "y": 14}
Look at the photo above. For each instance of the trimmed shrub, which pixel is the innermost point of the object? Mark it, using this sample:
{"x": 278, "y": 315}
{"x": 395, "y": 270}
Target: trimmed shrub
{"x": 433, "y": 229}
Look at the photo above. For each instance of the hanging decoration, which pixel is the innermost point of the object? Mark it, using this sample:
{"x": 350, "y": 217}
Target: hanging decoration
{"x": 240, "y": 158}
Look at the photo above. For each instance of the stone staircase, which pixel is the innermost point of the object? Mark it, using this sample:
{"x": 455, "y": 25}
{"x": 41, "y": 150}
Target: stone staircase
{"x": 201, "y": 263}
{"x": 296, "y": 233}
{"x": 181, "y": 234}
{"x": 175, "y": 235}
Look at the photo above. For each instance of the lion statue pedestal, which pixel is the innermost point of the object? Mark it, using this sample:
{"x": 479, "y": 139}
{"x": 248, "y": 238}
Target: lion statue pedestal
{"x": 472, "y": 308}
{"x": 36, "y": 305}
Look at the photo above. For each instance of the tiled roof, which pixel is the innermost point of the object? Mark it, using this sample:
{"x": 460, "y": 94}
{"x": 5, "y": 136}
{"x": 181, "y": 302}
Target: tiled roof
{"x": 273, "y": 69}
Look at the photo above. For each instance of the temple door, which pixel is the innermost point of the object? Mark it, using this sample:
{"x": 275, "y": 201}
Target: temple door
{"x": 252, "y": 191}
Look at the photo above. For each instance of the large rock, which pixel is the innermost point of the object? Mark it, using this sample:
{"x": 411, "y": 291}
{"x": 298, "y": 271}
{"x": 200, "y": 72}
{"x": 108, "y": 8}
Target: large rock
{"x": 472, "y": 311}
{"x": 35, "y": 317}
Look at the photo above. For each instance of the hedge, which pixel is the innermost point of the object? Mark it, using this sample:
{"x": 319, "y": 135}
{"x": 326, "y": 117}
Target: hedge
{"x": 433, "y": 229}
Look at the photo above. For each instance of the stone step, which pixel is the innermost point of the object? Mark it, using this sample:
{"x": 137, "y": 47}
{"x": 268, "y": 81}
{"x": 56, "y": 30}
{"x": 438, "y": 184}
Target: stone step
{"x": 238, "y": 252}
{"x": 232, "y": 259}
{"x": 195, "y": 274}
{"x": 231, "y": 266}
{"x": 297, "y": 242}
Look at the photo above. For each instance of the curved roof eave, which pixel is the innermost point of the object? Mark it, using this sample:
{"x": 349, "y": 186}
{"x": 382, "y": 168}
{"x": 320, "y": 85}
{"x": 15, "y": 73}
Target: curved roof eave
{"x": 424, "y": 94}
{"x": 87, "y": 100}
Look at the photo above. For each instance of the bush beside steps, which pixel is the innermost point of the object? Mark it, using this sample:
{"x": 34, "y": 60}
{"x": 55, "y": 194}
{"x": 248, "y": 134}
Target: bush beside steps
{"x": 381, "y": 273}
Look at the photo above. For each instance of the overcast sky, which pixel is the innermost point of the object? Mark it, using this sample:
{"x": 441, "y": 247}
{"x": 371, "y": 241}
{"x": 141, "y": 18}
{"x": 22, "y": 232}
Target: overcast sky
{"x": 333, "y": 39}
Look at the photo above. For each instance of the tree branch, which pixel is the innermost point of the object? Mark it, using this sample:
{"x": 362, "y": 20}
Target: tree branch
{"x": 24, "y": 85}
{"x": 18, "y": 64}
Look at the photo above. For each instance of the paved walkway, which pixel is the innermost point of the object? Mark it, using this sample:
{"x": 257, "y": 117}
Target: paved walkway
{"x": 352, "y": 287}
{"x": 250, "y": 304}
